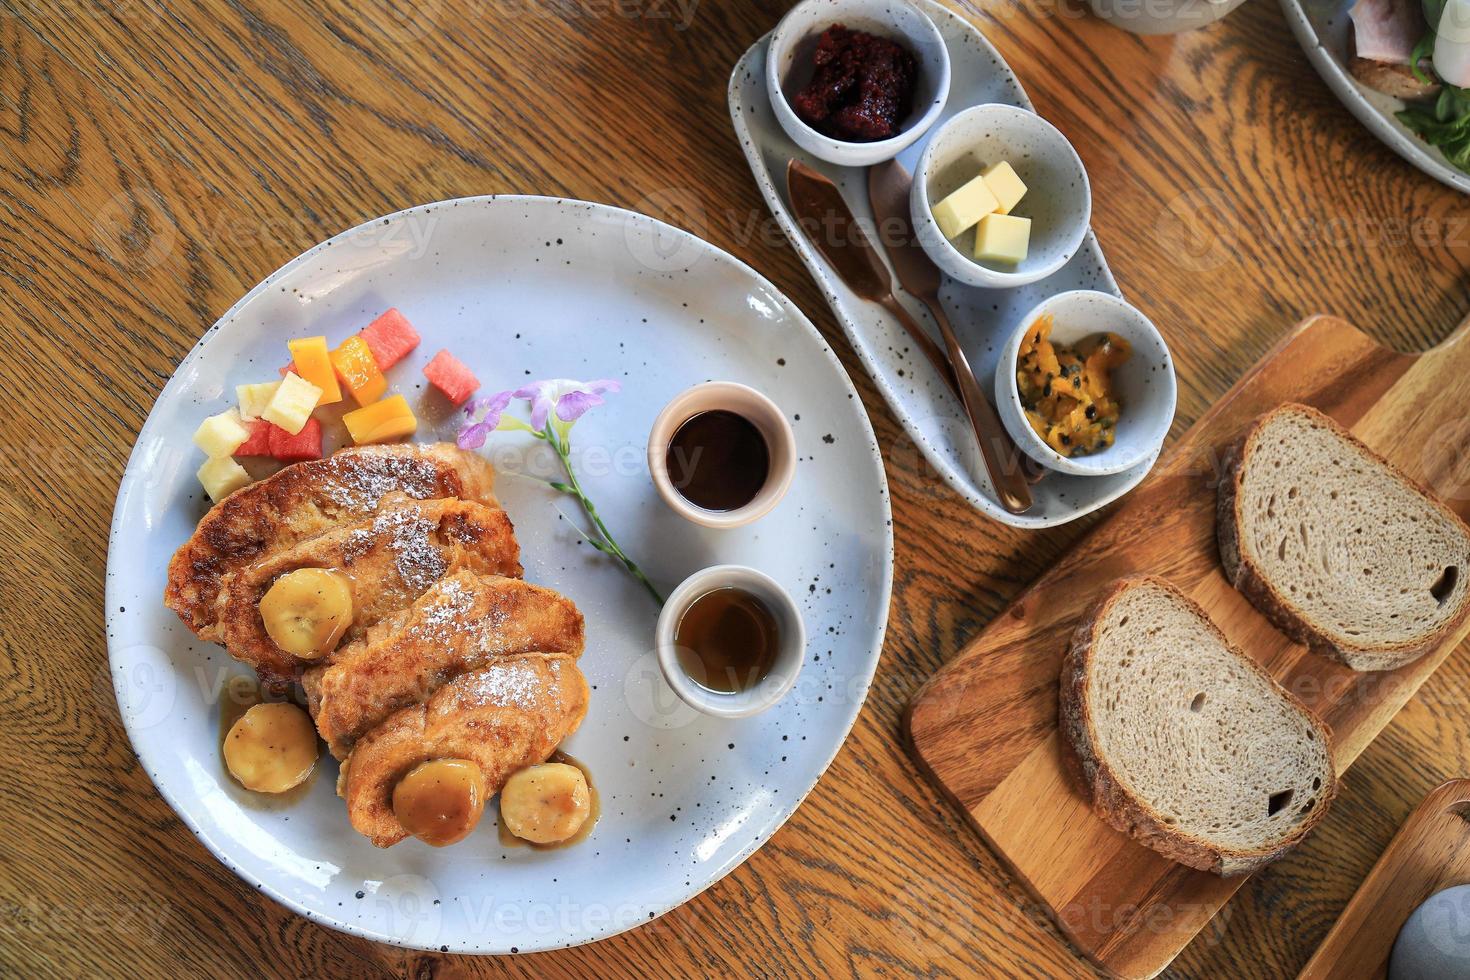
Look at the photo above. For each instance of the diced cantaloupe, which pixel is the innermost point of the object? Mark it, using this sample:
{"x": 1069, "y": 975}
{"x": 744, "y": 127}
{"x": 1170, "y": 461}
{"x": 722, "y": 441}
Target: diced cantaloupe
{"x": 293, "y": 403}
{"x": 306, "y": 444}
{"x": 381, "y": 421}
{"x": 254, "y": 398}
{"x": 220, "y": 435}
{"x": 222, "y": 476}
{"x": 259, "y": 443}
{"x": 358, "y": 370}
{"x": 447, "y": 373}
{"x": 310, "y": 359}
{"x": 390, "y": 337}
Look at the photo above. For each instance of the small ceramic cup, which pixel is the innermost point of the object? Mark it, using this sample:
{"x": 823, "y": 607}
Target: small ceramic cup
{"x": 744, "y": 401}
{"x": 1145, "y": 383}
{"x": 1058, "y": 195}
{"x": 789, "y": 654}
{"x": 788, "y": 69}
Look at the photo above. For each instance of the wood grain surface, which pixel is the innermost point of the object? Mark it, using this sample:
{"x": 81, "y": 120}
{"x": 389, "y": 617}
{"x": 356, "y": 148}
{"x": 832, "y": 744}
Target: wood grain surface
{"x": 1429, "y": 854}
{"x": 158, "y": 159}
{"x": 986, "y": 726}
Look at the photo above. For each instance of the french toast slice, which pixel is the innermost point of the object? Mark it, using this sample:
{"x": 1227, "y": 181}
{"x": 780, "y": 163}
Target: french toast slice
{"x": 462, "y": 622}
{"x": 307, "y": 499}
{"x": 391, "y": 559}
{"x": 507, "y": 715}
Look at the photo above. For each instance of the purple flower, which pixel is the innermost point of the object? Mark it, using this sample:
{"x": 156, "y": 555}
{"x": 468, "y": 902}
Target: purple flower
{"x": 489, "y": 409}
{"x": 570, "y": 399}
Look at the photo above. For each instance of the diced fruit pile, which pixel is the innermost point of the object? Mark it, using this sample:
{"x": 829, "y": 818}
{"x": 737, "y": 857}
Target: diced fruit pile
{"x": 274, "y": 419}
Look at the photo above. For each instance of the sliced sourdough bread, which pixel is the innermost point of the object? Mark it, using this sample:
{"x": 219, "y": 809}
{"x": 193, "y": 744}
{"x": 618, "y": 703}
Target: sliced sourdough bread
{"x": 1336, "y": 547}
{"x": 1182, "y": 741}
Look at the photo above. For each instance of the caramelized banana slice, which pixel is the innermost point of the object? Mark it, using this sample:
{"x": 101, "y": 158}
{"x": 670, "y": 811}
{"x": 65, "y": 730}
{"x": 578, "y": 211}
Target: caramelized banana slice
{"x": 306, "y": 611}
{"x": 545, "y": 804}
{"x": 271, "y": 748}
{"x": 440, "y": 801}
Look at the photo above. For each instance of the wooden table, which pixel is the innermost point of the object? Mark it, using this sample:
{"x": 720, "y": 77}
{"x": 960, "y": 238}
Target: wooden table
{"x": 160, "y": 158}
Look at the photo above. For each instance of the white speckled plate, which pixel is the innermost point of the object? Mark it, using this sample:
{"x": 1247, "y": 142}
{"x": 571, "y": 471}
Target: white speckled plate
{"x": 1324, "y": 31}
{"x": 984, "y": 318}
{"x": 525, "y": 287}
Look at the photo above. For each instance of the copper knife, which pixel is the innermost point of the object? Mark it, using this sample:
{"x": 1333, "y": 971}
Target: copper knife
{"x": 830, "y": 226}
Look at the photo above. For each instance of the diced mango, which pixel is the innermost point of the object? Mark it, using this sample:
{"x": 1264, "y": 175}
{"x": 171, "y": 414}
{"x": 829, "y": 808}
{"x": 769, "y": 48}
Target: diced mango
{"x": 1005, "y": 184}
{"x": 1002, "y": 238}
{"x": 381, "y": 421}
{"x": 310, "y": 359}
{"x": 220, "y": 435}
{"x": 222, "y": 476}
{"x": 293, "y": 403}
{"x": 964, "y": 207}
{"x": 254, "y": 398}
{"x": 357, "y": 368}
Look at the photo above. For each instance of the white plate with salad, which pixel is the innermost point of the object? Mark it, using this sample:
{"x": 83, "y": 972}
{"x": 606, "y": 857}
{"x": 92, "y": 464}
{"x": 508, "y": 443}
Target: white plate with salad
{"x": 518, "y": 289}
{"x": 1403, "y": 68}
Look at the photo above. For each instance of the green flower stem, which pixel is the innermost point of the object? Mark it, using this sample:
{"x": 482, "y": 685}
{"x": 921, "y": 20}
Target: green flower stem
{"x": 607, "y": 545}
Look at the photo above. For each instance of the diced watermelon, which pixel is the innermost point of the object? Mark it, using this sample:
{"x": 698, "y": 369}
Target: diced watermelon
{"x": 306, "y": 444}
{"x": 390, "y": 337}
{"x": 288, "y": 369}
{"x": 259, "y": 443}
{"x": 450, "y": 376}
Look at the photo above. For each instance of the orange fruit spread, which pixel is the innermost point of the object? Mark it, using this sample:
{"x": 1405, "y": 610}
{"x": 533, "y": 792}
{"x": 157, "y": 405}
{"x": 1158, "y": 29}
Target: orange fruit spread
{"x": 1067, "y": 391}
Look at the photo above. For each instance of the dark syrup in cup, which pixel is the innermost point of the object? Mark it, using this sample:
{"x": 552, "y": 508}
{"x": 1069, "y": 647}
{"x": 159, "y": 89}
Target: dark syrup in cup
{"x": 727, "y": 640}
{"x": 718, "y": 460}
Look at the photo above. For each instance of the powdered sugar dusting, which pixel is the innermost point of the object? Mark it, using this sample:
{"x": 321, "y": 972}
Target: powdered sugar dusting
{"x": 359, "y": 482}
{"x": 513, "y": 683}
{"x": 447, "y": 611}
{"x": 407, "y": 531}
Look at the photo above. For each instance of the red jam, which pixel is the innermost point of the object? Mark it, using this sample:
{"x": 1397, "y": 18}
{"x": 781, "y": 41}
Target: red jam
{"x": 861, "y": 89}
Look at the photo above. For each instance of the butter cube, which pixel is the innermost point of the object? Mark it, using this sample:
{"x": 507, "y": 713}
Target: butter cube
{"x": 1005, "y": 184}
{"x": 292, "y": 404}
{"x": 1002, "y": 238}
{"x": 220, "y": 435}
{"x": 254, "y": 398}
{"x": 964, "y": 207}
{"x": 221, "y": 477}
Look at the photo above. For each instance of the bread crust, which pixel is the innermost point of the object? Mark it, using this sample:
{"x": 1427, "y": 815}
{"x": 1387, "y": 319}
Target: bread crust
{"x": 1111, "y": 798}
{"x": 298, "y": 502}
{"x": 1269, "y": 601}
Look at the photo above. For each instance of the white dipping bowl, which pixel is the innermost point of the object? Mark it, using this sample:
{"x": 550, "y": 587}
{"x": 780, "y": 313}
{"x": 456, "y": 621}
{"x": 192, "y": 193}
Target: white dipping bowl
{"x": 1058, "y": 196}
{"x": 775, "y": 685}
{"x": 788, "y": 70}
{"x": 1145, "y": 384}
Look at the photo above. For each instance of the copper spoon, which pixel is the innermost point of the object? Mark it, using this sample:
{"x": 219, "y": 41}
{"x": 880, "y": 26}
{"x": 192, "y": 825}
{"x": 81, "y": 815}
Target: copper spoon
{"x": 835, "y": 232}
{"x": 888, "y": 193}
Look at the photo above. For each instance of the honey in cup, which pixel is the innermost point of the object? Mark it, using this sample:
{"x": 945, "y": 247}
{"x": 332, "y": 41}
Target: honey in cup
{"x": 718, "y": 460}
{"x": 727, "y": 640}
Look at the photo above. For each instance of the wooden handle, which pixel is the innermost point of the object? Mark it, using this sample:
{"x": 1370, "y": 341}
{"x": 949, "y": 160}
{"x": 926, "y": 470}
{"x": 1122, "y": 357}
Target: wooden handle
{"x": 1431, "y": 852}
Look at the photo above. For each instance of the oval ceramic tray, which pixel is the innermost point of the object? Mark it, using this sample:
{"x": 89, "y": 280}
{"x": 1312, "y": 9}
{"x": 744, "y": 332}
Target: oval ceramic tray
{"x": 983, "y": 318}
{"x": 1324, "y": 30}
{"x": 521, "y": 288}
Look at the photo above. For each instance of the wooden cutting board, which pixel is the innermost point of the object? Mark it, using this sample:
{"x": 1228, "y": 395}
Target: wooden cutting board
{"x": 984, "y": 727}
{"x": 1430, "y": 853}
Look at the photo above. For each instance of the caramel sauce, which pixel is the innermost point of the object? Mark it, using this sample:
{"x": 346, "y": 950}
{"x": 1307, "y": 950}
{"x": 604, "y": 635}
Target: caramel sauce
{"x": 507, "y": 839}
{"x": 718, "y": 460}
{"x": 727, "y": 640}
{"x": 441, "y": 801}
{"x": 237, "y": 695}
